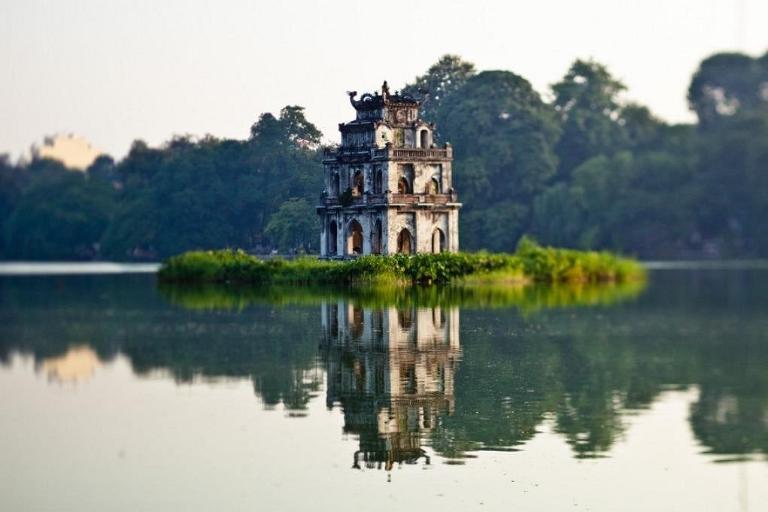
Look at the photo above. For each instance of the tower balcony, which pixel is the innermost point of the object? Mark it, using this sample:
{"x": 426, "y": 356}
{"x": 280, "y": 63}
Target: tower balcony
{"x": 366, "y": 153}
{"x": 400, "y": 199}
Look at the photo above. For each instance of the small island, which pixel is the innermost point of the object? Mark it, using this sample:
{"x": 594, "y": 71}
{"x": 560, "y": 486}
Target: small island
{"x": 529, "y": 263}
{"x": 371, "y": 235}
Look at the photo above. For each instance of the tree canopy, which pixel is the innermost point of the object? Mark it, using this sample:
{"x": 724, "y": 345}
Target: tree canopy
{"x": 585, "y": 169}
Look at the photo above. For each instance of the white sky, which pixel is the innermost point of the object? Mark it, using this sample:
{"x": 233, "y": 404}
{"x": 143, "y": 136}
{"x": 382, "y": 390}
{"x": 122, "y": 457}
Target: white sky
{"x": 114, "y": 71}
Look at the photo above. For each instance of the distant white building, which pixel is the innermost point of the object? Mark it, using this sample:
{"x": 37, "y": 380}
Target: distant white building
{"x": 72, "y": 150}
{"x": 388, "y": 187}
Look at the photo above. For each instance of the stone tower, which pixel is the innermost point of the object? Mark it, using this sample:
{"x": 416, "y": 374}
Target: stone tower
{"x": 388, "y": 187}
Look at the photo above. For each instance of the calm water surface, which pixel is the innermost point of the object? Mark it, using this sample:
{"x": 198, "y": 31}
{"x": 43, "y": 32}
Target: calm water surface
{"x": 119, "y": 395}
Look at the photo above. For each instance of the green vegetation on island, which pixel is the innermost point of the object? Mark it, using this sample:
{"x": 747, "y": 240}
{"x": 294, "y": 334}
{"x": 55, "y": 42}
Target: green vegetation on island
{"x": 531, "y": 262}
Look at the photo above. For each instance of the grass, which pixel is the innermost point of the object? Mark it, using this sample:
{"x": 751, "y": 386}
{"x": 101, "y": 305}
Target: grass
{"x": 531, "y": 262}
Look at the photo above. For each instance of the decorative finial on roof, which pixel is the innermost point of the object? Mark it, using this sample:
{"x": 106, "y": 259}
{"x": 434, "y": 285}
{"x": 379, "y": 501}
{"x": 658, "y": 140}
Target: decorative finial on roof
{"x": 352, "y": 95}
{"x": 385, "y": 89}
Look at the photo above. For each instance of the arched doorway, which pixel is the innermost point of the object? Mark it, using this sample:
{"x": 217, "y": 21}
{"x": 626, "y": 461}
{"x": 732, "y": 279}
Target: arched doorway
{"x": 354, "y": 238}
{"x": 433, "y": 187}
{"x": 424, "y": 139}
{"x": 332, "y": 238}
{"x": 404, "y": 242}
{"x": 403, "y": 187}
{"x": 377, "y": 182}
{"x": 438, "y": 241}
{"x": 376, "y": 238}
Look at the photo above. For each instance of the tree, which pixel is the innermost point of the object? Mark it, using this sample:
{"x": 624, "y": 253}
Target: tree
{"x": 442, "y": 79}
{"x": 586, "y": 100}
{"x": 727, "y": 84}
{"x": 61, "y": 215}
{"x": 11, "y": 182}
{"x": 295, "y": 226}
{"x": 640, "y": 203}
{"x": 733, "y": 158}
{"x": 504, "y": 136}
{"x": 292, "y": 127}
{"x": 213, "y": 193}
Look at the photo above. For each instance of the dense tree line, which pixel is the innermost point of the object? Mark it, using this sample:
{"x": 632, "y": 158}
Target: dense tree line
{"x": 160, "y": 201}
{"x": 589, "y": 170}
{"x": 582, "y": 169}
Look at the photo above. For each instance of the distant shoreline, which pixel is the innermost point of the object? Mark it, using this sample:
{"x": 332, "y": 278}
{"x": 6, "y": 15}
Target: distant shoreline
{"x": 51, "y": 268}
{"x": 55, "y": 268}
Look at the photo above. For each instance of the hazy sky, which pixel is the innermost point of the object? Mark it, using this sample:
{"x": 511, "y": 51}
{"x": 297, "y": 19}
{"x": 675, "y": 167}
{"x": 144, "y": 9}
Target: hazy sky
{"x": 114, "y": 71}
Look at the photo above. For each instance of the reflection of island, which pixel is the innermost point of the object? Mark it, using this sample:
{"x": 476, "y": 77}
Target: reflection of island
{"x": 392, "y": 370}
{"x": 522, "y": 366}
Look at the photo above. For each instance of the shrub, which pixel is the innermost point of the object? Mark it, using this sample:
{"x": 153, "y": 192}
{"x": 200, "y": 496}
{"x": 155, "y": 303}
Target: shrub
{"x": 530, "y": 262}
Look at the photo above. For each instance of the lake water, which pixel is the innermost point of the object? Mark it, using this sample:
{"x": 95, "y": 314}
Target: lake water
{"x": 117, "y": 394}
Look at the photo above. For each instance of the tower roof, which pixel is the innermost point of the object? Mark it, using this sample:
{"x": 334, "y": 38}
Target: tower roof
{"x": 377, "y": 101}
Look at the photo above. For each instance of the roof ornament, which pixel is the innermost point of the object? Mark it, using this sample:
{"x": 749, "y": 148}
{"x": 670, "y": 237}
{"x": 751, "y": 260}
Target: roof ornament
{"x": 352, "y": 95}
{"x": 385, "y": 89}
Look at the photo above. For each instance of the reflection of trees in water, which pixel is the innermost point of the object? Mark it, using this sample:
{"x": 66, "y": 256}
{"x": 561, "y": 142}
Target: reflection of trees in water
{"x": 588, "y": 372}
{"x": 584, "y": 369}
{"x": 731, "y": 414}
{"x": 275, "y": 349}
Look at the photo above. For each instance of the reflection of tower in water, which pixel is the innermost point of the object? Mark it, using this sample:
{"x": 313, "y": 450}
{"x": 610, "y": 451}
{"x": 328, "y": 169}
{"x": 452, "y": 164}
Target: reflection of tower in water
{"x": 392, "y": 372}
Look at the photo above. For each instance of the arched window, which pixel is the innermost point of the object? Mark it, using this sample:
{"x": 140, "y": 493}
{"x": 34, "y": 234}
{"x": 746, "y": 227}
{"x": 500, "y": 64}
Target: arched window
{"x": 433, "y": 186}
{"x": 403, "y": 187}
{"x": 424, "y": 138}
{"x": 438, "y": 241}
{"x": 357, "y": 183}
{"x": 404, "y": 242}
{"x": 335, "y": 185}
{"x": 332, "y": 235}
{"x": 377, "y": 182}
{"x": 376, "y": 238}
{"x": 354, "y": 238}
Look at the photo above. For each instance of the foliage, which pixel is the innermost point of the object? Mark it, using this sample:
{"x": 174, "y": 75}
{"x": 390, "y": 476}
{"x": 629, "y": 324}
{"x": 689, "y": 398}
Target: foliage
{"x": 442, "y": 79}
{"x": 530, "y": 262}
{"x": 294, "y": 227}
{"x": 503, "y": 135}
{"x": 61, "y": 215}
{"x": 727, "y": 85}
{"x": 586, "y": 100}
{"x": 585, "y": 170}
{"x": 216, "y": 193}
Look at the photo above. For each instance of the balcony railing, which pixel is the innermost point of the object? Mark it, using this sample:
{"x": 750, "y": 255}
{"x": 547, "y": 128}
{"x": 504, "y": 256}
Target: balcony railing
{"x": 389, "y": 153}
{"x": 421, "y": 153}
{"x": 374, "y": 199}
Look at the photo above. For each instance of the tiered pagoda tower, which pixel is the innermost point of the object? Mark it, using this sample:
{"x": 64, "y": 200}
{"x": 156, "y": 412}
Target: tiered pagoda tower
{"x": 388, "y": 187}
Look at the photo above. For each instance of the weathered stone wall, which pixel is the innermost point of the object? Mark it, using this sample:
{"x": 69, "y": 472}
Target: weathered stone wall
{"x": 452, "y": 235}
{"x": 344, "y": 218}
{"x": 426, "y": 223}
{"x": 397, "y": 222}
{"x": 390, "y": 120}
